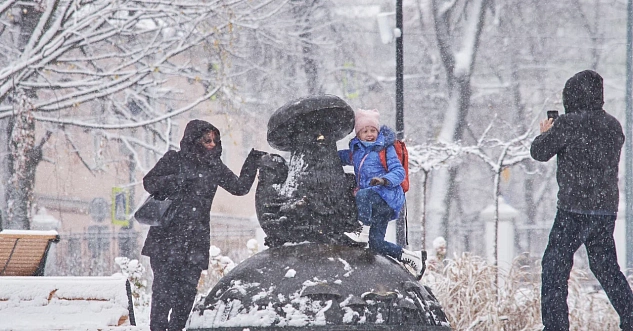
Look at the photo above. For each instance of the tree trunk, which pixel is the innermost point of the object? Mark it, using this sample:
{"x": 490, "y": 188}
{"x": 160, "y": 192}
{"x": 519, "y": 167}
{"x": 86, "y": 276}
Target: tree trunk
{"x": 304, "y": 12}
{"x": 423, "y": 205}
{"x": 22, "y": 156}
{"x": 459, "y": 66}
{"x": 443, "y": 182}
{"x": 5, "y": 173}
{"x": 310, "y": 66}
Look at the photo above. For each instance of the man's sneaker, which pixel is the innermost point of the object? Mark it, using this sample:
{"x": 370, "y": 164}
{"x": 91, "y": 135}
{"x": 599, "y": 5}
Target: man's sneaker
{"x": 413, "y": 262}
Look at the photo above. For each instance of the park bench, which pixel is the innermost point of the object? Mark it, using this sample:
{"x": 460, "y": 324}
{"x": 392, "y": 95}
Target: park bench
{"x": 65, "y": 303}
{"x": 24, "y": 252}
{"x": 59, "y": 303}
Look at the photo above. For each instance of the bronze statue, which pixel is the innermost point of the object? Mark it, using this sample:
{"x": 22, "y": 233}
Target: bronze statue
{"x": 310, "y": 197}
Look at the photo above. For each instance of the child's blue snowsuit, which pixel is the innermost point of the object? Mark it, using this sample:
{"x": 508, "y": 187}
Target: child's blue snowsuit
{"x": 377, "y": 205}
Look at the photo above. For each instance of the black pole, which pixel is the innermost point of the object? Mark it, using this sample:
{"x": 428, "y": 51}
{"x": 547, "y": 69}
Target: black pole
{"x": 628, "y": 144}
{"x": 399, "y": 74}
{"x": 401, "y": 235}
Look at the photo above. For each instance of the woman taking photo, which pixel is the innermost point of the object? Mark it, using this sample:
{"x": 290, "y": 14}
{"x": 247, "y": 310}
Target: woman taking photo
{"x": 180, "y": 251}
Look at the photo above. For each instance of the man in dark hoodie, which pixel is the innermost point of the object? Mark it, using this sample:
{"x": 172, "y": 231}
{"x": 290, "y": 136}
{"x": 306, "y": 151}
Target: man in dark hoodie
{"x": 587, "y": 142}
{"x": 179, "y": 252}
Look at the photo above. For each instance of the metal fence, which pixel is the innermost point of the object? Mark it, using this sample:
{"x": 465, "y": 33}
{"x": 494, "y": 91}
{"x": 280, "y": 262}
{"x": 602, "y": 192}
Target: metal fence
{"x": 92, "y": 253}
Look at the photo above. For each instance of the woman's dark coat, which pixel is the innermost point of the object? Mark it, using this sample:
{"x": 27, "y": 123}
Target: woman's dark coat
{"x": 191, "y": 177}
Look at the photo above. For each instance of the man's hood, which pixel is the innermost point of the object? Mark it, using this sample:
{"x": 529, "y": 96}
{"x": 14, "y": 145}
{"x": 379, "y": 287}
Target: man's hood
{"x": 195, "y": 129}
{"x": 583, "y": 92}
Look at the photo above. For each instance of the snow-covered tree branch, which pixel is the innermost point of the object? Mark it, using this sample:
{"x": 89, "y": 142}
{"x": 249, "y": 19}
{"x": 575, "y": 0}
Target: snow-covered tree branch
{"x": 426, "y": 158}
{"x": 510, "y": 153}
{"x": 458, "y": 33}
{"x": 106, "y": 65}
{"x": 82, "y": 52}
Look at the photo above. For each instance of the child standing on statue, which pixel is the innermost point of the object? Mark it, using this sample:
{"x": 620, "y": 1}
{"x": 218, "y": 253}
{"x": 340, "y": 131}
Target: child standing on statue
{"x": 379, "y": 196}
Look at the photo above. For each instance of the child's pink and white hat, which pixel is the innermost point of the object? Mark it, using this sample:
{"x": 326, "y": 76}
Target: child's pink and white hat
{"x": 365, "y": 118}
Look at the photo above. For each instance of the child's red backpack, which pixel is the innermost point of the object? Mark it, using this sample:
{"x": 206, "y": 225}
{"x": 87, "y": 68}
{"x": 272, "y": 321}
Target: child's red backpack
{"x": 403, "y": 156}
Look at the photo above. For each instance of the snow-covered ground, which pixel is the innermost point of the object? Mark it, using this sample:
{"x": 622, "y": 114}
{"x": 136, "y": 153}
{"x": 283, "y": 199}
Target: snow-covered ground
{"x": 464, "y": 285}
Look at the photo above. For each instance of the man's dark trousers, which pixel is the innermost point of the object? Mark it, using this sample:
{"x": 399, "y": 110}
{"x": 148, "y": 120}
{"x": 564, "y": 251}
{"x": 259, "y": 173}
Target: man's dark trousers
{"x": 571, "y": 230}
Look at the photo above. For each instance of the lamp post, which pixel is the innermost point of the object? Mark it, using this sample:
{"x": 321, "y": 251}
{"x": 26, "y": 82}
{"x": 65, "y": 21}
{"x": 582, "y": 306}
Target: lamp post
{"x": 401, "y": 230}
{"x": 628, "y": 133}
{"x": 387, "y": 35}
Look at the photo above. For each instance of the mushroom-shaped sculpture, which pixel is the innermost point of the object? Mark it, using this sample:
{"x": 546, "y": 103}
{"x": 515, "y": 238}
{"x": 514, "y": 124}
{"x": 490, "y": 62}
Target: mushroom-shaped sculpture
{"x": 308, "y": 198}
{"x": 296, "y": 123}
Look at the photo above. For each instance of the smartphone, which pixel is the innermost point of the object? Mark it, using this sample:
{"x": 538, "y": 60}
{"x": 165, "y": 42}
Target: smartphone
{"x": 553, "y": 114}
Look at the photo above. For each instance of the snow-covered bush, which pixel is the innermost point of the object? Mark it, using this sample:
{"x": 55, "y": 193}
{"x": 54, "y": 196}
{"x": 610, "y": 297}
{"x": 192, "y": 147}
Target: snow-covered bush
{"x": 436, "y": 260}
{"x": 253, "y": 247}
{"x": 219, "y": 265}
{"x": 466, "y": 289}
{"x": 134, "y": 271}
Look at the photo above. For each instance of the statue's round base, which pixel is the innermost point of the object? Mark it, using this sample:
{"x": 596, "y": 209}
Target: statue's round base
{"x": 318, "y": 287}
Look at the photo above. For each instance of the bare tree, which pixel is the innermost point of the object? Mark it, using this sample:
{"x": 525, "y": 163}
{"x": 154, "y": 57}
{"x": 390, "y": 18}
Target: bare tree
{"x": 511, "y": 152}
{"x": 426, "y": 158}
{"x": 100, "y": 65}
{"x": 297, "y": 52}
{"x": 458, "y": 27}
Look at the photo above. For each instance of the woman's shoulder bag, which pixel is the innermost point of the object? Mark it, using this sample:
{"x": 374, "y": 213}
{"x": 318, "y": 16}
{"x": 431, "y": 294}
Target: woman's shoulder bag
{"x": 156, "y": 212}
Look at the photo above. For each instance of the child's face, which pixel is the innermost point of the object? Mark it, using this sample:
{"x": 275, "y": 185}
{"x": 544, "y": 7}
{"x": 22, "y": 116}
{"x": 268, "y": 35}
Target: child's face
{"x": 369, "y": 133}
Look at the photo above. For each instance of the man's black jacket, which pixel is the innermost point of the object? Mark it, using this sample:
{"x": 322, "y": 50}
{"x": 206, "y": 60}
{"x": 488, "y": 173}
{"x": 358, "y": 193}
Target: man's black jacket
{"x": 587, "y": 142}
